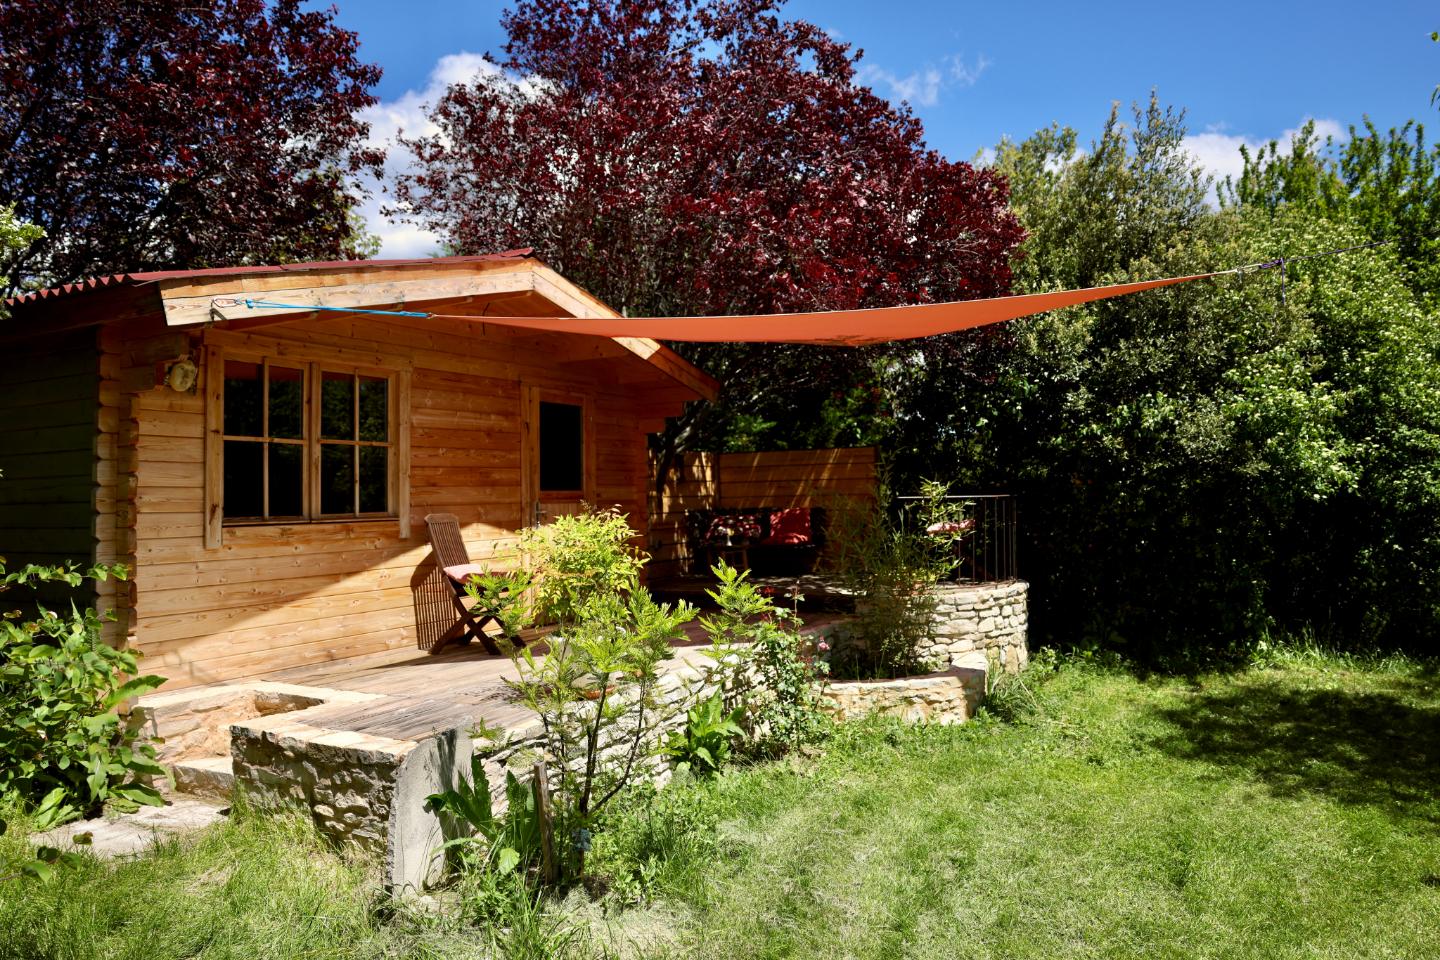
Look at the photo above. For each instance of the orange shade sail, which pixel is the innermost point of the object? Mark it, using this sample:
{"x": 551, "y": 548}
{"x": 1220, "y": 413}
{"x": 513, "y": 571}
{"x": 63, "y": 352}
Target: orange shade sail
{"x": 837, "y": 327}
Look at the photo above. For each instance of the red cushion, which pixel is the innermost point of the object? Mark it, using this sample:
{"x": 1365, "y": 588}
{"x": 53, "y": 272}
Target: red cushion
{"x": 462, "y": 572}
{"x": 789, "y": 527}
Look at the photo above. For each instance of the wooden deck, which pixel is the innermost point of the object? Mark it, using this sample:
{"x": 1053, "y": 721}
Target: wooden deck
{"x": 425, "y": 693}
{"x": 822, "y": 596}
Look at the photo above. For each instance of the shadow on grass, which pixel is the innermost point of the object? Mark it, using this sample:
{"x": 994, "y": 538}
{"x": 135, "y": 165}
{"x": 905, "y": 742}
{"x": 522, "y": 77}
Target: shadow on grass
{"x": 1350, "y": 746}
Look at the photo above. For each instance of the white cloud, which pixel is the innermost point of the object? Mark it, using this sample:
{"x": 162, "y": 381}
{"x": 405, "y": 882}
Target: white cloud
{"x": 1219, "y": 152}
{"x": 919, "y": 88}
{"x": 406, "y": 114}
{"x": 966, "y": 75}
{"x": 922, "y": 87}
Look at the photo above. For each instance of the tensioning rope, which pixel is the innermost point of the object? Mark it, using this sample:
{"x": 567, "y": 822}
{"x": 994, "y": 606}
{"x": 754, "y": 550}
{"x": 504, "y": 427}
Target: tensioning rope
{"x": 1280, "y": 262}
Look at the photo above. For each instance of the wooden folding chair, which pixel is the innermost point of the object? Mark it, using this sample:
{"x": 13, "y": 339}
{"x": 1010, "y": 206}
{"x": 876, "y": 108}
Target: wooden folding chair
{"x": 453, "y": 560}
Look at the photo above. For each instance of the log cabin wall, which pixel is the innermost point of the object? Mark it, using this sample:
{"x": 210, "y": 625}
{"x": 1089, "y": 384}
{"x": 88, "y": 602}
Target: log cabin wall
{"x": 771, "y": 479}
{"x": 278, "y": 596}
{"x": 49, "y": 411}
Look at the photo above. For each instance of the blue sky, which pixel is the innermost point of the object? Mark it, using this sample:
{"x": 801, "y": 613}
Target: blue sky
{"x": 974, "y": 72}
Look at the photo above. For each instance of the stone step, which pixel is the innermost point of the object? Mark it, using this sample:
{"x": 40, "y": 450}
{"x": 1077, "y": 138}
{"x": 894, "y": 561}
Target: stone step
{"x": 129, "y": 834}
{"x": 196, "y": 721}
{"x": 204, "y": 776}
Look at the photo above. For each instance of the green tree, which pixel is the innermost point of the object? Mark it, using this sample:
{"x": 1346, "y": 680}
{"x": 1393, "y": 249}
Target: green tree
{"x": 1386, "y": 183}
{"x": 15, "y": 236}
{"x": 1200, "y": 464}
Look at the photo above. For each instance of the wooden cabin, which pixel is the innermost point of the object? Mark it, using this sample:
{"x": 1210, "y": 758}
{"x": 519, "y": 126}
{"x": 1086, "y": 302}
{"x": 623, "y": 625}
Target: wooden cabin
{"x": 265, "y": 472}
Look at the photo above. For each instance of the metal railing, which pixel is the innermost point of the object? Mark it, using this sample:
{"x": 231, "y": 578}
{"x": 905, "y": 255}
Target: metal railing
{"x": 981, "y": 533}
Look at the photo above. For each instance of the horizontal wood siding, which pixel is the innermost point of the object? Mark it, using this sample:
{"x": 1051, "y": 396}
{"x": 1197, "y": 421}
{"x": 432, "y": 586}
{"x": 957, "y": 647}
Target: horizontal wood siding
{"x": 281, "y": 596}
{"x": 767, "y": 479}
{"x": 48, "y": 424}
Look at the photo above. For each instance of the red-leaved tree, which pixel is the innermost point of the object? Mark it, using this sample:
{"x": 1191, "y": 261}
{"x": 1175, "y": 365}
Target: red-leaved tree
{"x": 693, "y": 157}
{"x": 156, "y": 133}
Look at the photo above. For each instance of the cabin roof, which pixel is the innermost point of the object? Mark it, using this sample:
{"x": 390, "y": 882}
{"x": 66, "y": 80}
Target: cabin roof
{"x": 464, "y": 286}
{"x": 152, "y": 276}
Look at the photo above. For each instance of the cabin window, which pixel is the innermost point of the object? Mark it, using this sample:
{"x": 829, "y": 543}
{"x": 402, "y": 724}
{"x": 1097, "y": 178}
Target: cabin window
{"x": 264, "y": 448}
{"x": 354, "y": 444}
{"x": 562, "y": 448}
{"x": 303, "y": 441}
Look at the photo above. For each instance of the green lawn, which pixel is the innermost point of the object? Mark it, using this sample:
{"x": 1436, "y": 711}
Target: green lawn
{"x": 1287, "y": 812}
{"x": 1281, "y": 812}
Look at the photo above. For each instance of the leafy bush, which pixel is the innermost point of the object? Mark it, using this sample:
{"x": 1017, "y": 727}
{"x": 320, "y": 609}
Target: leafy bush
{"x": 703, "y": 746}
{"x": 506, "y": 596}
{"x": 503, "y": 844}
{"x": 890, "y": 566}
{"x": 580, "y": 557}
{"x": 1205, "y": 465}
{"x": 64, "y": 748}
{"x": 764, "y": 666}
{"x": 595, "y": 693}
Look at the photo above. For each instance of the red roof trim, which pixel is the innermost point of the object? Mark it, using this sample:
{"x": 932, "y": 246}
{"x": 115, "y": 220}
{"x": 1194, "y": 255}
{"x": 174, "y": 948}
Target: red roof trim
{"x": 96, "y": 283}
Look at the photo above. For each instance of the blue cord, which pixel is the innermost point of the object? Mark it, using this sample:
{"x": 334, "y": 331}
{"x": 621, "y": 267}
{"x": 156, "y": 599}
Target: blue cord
{"x": 271, "y": 305}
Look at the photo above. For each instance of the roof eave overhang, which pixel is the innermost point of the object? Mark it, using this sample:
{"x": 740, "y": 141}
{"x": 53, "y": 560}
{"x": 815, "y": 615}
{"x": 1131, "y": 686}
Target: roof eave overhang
{"x": 191, "y": 300}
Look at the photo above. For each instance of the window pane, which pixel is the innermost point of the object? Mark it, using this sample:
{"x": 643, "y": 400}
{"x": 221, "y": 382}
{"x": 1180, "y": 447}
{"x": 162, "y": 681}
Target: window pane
{"x": 287, "y": 480}
{"x": 243, "y": 476}
{"x": 337, "y": 479}
{"x": 243, "y": 399}
{"x": 562, "y": 446}
{"x": 337, "y": 406}
{"x": 374, "y": 479}
{"x": 374, "y": 408}
{"x": 287, "y": 403}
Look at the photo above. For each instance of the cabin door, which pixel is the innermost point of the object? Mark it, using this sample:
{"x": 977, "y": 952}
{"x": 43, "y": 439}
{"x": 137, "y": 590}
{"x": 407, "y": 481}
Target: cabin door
{"x": 558, "y": 455}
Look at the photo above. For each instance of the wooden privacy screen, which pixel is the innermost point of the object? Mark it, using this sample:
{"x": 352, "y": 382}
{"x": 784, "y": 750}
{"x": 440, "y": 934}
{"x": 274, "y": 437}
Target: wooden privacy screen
{"x": 766, "y": 479}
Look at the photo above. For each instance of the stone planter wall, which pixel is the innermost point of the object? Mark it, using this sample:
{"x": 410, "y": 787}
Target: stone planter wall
{"x": 990, "y": 618}
{"x": 979, "y": 629}
{"x": 370, "y": 790}
{"x": 945, "y": 697}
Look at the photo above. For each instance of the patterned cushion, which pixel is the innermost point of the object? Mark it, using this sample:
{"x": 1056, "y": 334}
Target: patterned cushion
{"x": 735, "y": 526}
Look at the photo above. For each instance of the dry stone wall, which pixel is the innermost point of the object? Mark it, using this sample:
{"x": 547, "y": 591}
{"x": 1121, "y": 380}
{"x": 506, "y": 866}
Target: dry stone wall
{"x": 370, "y": 791}
{"x": 991, "y": 618}
{"x": 945, "y": 697}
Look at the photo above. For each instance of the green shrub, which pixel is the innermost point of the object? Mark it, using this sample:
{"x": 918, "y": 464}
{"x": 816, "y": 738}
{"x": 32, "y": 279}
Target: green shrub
{"x": 502, "y": 844}
{"x": 1202, "y": 466}
{"x": 64, "y": 748}
{"x": 595, "y": 693}
{"x": 764, "y": 666}
{"x": 506, "y": 596}
{"x": 890, "y": 566}
{"x": 703, "y": 745}
{"x": 578, "y": 558}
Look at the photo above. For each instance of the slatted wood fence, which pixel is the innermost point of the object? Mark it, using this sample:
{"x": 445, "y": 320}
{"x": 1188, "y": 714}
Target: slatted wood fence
{"x": 765, "y": 479}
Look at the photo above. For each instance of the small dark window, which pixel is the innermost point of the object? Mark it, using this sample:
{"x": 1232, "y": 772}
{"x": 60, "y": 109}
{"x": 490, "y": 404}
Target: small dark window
{"x": 562, "y": 447}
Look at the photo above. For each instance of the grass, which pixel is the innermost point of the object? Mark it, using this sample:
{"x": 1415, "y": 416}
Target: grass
{"x": 1291, "y": 810}
{"x": 255, "y": 887}
{"x": 1281, "y": 812}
